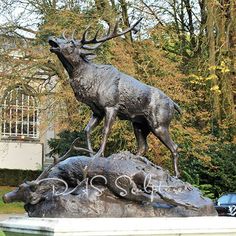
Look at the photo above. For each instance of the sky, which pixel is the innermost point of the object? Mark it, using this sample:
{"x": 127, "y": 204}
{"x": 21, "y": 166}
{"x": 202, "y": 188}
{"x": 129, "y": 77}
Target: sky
{"x": 16, "y": 14}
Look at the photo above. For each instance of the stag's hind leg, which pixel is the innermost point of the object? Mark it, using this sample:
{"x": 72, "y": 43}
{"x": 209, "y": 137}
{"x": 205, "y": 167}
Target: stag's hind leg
{"x": 163, "y": 134}
{"x": 141, "y": 132}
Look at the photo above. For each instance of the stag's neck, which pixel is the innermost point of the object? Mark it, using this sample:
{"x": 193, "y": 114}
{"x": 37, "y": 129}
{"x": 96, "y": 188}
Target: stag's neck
{"x": 84, "y": 83}
{"x": 69, "y": 68}
{"x": 81, "y": 71}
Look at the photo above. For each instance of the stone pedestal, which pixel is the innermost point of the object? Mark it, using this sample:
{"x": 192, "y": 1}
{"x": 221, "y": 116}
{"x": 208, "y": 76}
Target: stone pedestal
{"x": 189, "y": 226}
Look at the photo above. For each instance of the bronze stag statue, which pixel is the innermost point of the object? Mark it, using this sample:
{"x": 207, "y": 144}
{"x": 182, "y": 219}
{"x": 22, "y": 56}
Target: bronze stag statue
{"x": 111, "y": 93}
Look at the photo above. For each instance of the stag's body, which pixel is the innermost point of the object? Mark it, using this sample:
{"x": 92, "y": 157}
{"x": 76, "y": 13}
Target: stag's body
{"x": 111, "y": 93}
{"x": 101, "y": 86}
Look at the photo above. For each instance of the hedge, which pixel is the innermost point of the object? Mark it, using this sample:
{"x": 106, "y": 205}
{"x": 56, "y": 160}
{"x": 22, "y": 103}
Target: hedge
{"x": 14, "y": 178}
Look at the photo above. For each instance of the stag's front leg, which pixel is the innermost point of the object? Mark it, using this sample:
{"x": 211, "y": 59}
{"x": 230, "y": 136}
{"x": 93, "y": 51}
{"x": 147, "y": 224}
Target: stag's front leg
{"x": 94, "y": 121}
{"x": 110, "y": 116}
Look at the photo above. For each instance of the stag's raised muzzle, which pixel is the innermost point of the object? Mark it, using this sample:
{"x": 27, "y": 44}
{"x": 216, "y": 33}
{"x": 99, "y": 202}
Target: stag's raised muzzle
{"x": 55, "y": 44}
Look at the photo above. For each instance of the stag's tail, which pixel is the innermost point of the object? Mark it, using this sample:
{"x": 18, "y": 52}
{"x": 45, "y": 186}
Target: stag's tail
{"x": 177, "y": 108}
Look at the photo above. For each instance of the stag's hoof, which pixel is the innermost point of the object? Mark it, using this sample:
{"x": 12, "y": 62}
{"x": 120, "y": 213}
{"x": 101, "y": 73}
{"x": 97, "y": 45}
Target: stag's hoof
{"x": 177, "y": 174}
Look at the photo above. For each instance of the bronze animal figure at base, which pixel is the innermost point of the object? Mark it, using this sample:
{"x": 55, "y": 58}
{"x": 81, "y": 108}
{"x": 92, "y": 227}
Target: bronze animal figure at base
{"x": 121, "y": 185}
{"x": 111, "y": 93}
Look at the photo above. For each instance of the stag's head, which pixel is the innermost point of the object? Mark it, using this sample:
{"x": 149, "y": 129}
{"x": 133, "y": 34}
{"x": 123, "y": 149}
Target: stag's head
{"x": 70, "y": 51}
{"x": 67, "y": 50}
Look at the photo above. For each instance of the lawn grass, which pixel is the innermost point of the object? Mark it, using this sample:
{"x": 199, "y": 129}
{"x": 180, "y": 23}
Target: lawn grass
{"x": 10, "y": 207}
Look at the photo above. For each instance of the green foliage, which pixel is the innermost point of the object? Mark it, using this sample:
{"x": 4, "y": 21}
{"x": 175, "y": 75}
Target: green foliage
{"x": 215, "y": 177}
{"x": 10, "y": 177}
{"x": 207, "y": 190}
{"x": 223, "y": 171}
{"x": 65, "y": 138}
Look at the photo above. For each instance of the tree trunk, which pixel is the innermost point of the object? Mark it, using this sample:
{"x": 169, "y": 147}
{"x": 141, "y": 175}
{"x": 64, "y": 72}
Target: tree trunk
{"x": 190, "y": 22}
{"x": 175, "y": 15}
{"x": 183, "y": 39}
{"x": 224, "y": 19}
{"x": 125, "y": 17}
{"x": 232, "y": 53}
{"x": 202, "y": 33}
{"x": 212, "y": 56}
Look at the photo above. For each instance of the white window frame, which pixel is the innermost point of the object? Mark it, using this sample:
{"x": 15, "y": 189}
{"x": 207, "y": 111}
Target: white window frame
{"x": 19, "y": 115}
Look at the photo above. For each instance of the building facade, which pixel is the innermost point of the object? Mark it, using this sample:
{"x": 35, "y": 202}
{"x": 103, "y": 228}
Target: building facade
{"x": 24, "y": 131}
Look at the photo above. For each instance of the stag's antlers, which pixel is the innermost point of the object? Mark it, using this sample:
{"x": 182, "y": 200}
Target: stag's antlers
{"x": 109, "y": 35}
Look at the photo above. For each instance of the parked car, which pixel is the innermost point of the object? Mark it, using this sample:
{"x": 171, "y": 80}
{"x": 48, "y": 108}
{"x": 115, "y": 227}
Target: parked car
{"x": 226, "y": 205}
